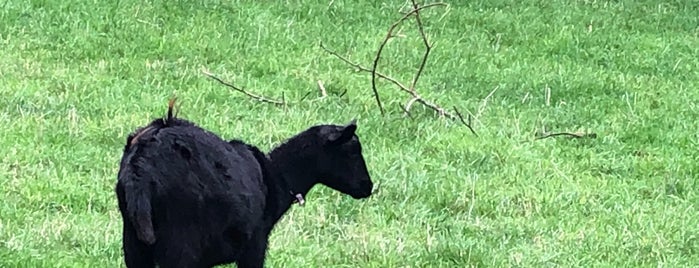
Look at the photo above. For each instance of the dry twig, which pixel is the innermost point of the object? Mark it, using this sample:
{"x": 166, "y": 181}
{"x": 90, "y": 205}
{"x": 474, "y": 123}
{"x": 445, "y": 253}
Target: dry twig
{"x": 321, "y": 87}
{"x": 407, "y": 113}
{"x": 415, "y": 96}
{"x": 362, "y": 68}
{"x": 577, "y": 135}
{"x": 468, "y": 124}
{"x": 251, "y": 95}
{"x": 389, "y": 34}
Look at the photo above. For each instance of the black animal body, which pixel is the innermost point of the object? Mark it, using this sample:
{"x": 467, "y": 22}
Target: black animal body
{"x": 190, "y": 199}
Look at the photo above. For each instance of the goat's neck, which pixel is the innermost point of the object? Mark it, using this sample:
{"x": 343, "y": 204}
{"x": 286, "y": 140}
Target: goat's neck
{"x": 290, "y": 179}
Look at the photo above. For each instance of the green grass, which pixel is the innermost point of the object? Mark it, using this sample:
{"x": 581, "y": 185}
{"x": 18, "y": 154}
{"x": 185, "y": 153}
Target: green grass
{"x": 78, "y": 76}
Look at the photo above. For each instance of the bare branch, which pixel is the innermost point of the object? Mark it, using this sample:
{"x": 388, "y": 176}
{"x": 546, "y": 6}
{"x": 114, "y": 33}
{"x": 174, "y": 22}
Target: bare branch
{"x": 441, "y": 111}
{"x": 362, "y": 68}
{"x": 251, "y": 95}
{"x": 428, "y": 47}
{"x": 389, "y": 34}
{"x": 406, "y": 111}
{"x": 568, "y": 134}
{"x": 410, "y": 103}
{"x": 468, "y": 124}
{"x": 415, "y": 96}
{"x": 411, "y": 91}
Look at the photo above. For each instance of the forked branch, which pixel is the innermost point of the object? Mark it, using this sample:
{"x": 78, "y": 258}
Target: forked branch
{"x": 249, "y": 94}
{"x": 389, "y": 34}
{"x": 468, "y": 124}
{"x": 428, "y": 47}
{"x": 412, "y": 89}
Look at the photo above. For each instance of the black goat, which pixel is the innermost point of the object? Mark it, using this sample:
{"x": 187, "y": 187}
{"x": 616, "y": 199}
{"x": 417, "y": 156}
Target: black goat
{"x": 190, "y": 199}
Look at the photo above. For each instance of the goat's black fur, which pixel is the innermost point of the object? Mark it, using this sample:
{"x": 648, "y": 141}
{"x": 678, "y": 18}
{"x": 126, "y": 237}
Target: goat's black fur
{"x": 190, "y": 199}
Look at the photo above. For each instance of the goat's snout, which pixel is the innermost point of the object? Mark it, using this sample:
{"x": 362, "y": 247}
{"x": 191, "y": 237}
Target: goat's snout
{"x": 366, "y": 185}
{"x": 364, "y": 189}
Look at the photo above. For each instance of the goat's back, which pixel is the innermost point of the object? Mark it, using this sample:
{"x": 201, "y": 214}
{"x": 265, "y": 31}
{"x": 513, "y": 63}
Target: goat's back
{"x": 203, "y": 190}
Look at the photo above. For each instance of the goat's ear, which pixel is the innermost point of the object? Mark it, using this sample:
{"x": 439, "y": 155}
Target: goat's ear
{"x": 343, "y": 134}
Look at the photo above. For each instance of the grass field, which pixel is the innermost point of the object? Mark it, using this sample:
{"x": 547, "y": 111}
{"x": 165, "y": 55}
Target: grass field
{"x": 77, "y": 76}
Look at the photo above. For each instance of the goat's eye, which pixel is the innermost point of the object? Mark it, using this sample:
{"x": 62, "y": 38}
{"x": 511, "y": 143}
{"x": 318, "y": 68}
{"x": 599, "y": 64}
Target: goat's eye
{"x": 351, "y": 148}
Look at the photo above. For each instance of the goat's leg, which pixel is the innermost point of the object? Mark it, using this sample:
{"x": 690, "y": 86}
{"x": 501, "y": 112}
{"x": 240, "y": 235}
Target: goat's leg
{"x": 180, "y": 262}
{"x": 253, "y": 255}
{"x": 136, "y": 253}
{"x": 178, "y": 250}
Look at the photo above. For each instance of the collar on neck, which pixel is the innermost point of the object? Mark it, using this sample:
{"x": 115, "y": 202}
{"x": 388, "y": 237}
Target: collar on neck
{"x": 297, "y": 196}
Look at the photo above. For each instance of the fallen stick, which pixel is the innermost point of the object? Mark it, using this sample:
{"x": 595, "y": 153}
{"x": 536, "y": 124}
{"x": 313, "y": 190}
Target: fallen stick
{"x": 251, "y": 95}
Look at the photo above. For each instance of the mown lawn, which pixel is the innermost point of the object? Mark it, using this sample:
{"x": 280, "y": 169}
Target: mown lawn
{"x": 77, "y": 76}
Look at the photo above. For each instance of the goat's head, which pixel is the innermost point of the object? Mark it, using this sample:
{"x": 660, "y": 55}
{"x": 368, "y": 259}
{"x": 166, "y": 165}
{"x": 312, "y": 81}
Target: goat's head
{"x": 341, "y": 163}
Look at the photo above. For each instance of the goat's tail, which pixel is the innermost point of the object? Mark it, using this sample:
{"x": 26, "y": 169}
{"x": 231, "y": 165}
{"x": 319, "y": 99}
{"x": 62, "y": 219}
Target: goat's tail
{"x": 138, "y": 206}
{"x": 170, "y": 108}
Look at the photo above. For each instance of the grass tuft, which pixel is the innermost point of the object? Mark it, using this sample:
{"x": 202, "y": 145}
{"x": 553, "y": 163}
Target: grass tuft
{"x": 79, "y": 76}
